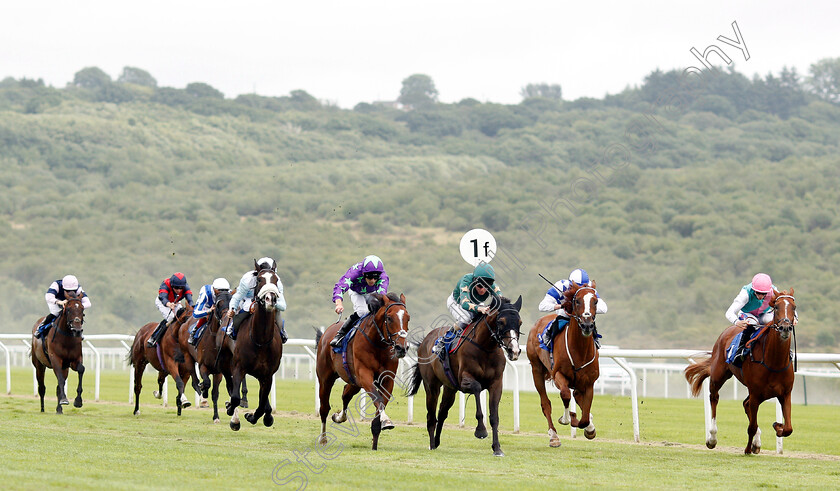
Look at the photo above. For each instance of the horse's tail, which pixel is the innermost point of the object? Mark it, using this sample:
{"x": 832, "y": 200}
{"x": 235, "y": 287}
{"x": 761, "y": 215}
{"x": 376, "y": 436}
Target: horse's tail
{"x": 135, "y": 346}
{"x": 415, "y": 378}
{"x": 319, "y": 332}
{"x": 696, "y": 373}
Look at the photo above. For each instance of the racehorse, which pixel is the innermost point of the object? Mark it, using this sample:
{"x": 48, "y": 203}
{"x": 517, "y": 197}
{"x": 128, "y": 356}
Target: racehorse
{"x": 167, "y": 358}
{"x": 61, "y": 349}
{"x": 767, "y": 372}
{"x": 257, "y": 350}
{"x": 573, "y": 362}
{"x": 211, "y": 353}
{"x": 372, "y": 361}
{"x": 476, "y": 365}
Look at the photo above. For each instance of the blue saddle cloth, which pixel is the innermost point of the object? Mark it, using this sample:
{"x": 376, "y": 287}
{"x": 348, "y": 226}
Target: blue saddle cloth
{"x": 342, "y": 348}
{"x": 553, "y": 328}
{"x": 448, "y": 338}
{"x": 732, "y": 350}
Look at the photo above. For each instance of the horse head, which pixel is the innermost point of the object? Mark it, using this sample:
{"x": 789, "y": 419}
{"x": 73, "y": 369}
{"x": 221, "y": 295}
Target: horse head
{"x": 784, "y": 312}
{"x": 580, "y": 303}
{"x": 390, "y": 318}
{"x": 506, "y": 326}
{"x": 267, "y": 290}
{"x": 221, "y": 305}
{"x": 74, "y": 314}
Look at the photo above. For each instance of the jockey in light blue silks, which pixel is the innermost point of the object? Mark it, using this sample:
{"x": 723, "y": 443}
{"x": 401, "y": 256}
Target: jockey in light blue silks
{"x": 56, "y": 297}
{"x": 241, "y": 301}
{"x": 362, "y": 279}
{"x": 204, "y": 306}
{"x": 555, "y": 295}
{"x": 751, "y": 309}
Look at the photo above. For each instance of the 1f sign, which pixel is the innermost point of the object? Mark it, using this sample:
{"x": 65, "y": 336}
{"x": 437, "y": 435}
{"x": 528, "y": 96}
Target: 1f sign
{"x": 478, "y": 246}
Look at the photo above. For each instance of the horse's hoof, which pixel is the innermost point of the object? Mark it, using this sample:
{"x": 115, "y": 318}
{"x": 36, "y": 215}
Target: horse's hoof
{"x": 498, "y": 453}
{"x": 387, "y": 425}
{"x": 268, "y": 419}
{"x": 589, "y": 435}
{"x": 64, "y": 401}
{"x": 77, "y": 402}
{"x": 338, "y": 420}
{"x": 217, "y": 421}
{"x": 779, "y": 429}
{"x": 243, "y": 403}
{"x": 554, "y": 443}
{"x": 481, "y": 433}
{"x": 204, "y": 403}
{"x": 185, "y": 404}
{"x": 249, "y": 417}
{"x": 323, "y": 440}
{"x": 137, "y": 413}
{"x": 157, "y": 394}
{"x": 235, "y": 426}
{"x": 711, "y": 444}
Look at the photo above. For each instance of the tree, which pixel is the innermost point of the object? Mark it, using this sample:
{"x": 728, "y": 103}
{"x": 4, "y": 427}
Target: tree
{"x": 137, "y": 76}
{"x": 825, "y": 79}
{"x": 418, "y": 91}
{"x": 553, "y": 91}
{"x": 200, "y": 89}
{"x": 91, "y": 78}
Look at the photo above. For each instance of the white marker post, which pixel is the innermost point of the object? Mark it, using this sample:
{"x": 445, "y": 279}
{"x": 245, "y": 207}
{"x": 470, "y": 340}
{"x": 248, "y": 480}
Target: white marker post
{"x": 478, "y": 246}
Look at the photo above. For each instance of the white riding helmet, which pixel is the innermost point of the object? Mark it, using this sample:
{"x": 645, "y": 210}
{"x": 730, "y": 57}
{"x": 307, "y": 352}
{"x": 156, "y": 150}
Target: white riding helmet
{"x": 221, "y": 284}
{"x": 267, "y": 260}
{"x": 70, "y": 283}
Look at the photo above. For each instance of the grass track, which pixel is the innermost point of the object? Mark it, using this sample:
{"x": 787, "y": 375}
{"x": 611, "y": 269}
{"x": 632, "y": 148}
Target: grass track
{"x": 102, "y": 445}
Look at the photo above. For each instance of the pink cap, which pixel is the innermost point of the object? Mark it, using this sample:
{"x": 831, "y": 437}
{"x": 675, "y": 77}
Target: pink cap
{"x": 762, "y": 283}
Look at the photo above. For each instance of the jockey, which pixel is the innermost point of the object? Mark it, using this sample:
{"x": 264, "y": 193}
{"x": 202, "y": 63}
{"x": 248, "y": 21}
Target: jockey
{"x": 361, "y": 279}
{"x": 205, "y": 304}
{"x": 56, "y": 297}
{"x": 465, "y": 301}
{"x": 751, "y": 309}
{"x": 172, "y": 290}
{"x": 240, "y": 303}
{"x": 554, "y": 297}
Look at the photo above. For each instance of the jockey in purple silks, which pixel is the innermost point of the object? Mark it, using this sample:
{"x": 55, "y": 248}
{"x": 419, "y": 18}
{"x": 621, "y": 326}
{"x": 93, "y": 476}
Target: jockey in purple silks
{"x": 360, "y": 280}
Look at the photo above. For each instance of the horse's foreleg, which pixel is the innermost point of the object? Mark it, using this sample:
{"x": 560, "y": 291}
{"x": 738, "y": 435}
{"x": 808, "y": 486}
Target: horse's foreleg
{"x": 161, "y": 380}
{"x": 80, "y": 369}
{"x": 545, "y": 403}
{"x": 446, "y": 402}
{"x": 40, "y": 369}
{"x": 751, "y": 407}
{"x": 236, "y": 377}
{"x": 243, "y": 402}
{"x": 494, "y": 396}
{"x": 263, "y": 408}
{"x": 217, "y": 380}
{"x": 471, "y": 386}
{"x": 432, "y": 393}
{"x": 204, "y": 373}
{"x": 61, "y": 377}
{"x": 566, "y": 396}
{"x": 584, "y": 400}
{"x": 787, "y": 428}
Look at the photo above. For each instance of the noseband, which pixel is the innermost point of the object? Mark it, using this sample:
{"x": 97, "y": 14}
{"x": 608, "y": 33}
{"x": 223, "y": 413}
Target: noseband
{"x": 382, "y": 331}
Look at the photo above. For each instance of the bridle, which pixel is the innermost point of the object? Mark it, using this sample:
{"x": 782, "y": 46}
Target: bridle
{"x": 580, "y": 324}
{"x": 578, "y": 318}
{"x": 385, "y": 335}
{"x": 68, "y": 320}
{"x": 784, "y": 324}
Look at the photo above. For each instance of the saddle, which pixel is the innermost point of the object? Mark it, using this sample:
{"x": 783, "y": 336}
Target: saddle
{"x": 342, "y": 348}
{"x": 732, "y": 350}
{"x": 553, "y": 328}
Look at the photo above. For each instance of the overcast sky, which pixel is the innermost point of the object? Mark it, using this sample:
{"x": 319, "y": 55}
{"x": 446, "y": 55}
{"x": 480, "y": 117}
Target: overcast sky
{"x": 352, "y": 51}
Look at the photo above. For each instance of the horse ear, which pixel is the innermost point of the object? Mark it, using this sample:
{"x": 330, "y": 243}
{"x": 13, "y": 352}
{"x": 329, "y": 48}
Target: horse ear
{"x": 518, "y": 303}
{"x": 593, "y": 283}
{"x": 402, "y": 297}
{"x": 256, "y": 266}
{"x": 791, "y": 291}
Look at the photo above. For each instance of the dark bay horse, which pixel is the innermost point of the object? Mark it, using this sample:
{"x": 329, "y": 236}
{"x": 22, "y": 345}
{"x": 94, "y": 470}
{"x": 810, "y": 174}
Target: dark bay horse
{"x": 372, "y": 359}
{"x": 210, "y": 353}
{"x": 257, "y": 350}
{"x": 60, "y": 349}
{"x": 767, "y": 373}
{"x": 170, "y": 360}
{"x": 477, "y": 365}
{"x": 573, "y": 363}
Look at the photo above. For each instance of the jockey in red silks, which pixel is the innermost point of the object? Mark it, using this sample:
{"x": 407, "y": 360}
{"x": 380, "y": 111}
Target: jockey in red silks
{"x": 172, "y": 290}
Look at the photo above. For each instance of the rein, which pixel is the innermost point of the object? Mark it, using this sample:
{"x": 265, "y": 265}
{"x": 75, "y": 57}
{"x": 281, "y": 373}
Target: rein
{"x": 386, "y": 340}
{"x": 578, "y": 323}
{"x": 780, "y": 326}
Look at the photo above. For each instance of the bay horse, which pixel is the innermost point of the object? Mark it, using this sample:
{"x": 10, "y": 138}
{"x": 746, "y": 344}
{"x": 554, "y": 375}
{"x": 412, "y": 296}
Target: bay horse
{"x": 257, "y": 351}
{"x": 767, "y": 372}
{"x": 169, "y": 360}
{"x": 60, "y": 349}
{"x": 372, "y": 360}
{"x": 573, "y": 362}
{"x": 211, "y": 354}
{"x": 478, "y": 364}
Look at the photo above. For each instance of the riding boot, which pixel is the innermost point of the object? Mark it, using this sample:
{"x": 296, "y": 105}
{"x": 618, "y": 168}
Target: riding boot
{"x": 43, "y": 327}
{"x": 343, "y": 331}
{"x": 441, "y": 341}
{"x": 281, "y": 323}
{"x": 742, "y": 352}
{"x": 155, "y": 337}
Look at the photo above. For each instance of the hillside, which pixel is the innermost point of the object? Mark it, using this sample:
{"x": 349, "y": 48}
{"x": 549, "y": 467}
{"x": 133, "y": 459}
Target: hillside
{"x": 671, "y": 208}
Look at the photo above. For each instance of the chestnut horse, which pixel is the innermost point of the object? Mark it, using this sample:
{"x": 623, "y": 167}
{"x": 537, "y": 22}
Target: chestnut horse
{"x": 211, "y": 354}
{"x": 257, "y": 350}
{"x": 170, "y": 362}
{"x": 478, "y": 364}
{"x": 60, "y": 349}
{"x": 372, "y": 360}
{"x": 767, "y": 373}
{"x": 573, "y": 363}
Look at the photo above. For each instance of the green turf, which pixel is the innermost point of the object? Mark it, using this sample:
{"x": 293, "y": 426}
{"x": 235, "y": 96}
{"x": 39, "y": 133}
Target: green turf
{"x": 102, "y": 445}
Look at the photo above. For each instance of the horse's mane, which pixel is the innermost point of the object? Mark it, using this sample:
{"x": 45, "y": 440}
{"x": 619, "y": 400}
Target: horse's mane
{"x": 375, "y": 301}
{"x": 569, "y": 294}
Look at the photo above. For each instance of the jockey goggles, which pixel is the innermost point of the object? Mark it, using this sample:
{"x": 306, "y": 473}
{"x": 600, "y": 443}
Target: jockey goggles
{"x": 372, "y": 276}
